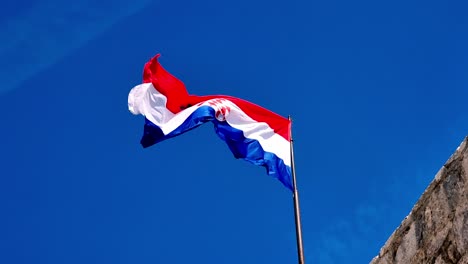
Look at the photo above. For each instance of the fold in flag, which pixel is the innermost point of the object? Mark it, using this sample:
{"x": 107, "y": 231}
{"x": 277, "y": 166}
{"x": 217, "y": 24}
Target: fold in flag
{"x": 252, "y": 133}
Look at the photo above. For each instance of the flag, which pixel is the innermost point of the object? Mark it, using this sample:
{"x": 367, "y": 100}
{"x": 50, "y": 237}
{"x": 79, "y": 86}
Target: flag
{"x": 252, "y": 133}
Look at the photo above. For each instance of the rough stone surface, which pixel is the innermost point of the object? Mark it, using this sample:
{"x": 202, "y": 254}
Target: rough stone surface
{"x": 436, "y": 230}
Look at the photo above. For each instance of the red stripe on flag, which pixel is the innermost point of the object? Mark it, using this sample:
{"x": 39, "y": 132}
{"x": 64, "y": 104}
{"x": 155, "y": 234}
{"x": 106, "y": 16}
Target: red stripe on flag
{"x": 167, "y": 84}
{"x": 179, "y": 99}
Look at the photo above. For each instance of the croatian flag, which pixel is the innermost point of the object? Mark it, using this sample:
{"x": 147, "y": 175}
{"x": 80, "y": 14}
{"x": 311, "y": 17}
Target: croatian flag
{"x": 252, "y": 133}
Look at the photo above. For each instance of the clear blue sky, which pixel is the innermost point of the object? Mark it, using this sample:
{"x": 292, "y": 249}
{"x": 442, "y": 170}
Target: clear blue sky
{"x": 378, "y": 92}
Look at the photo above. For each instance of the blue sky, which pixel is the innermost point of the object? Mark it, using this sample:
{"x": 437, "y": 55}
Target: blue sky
{"x": 377, "y": 91}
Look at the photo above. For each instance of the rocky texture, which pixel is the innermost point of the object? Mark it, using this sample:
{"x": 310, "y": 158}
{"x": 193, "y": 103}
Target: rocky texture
{"x": 436, "y": 230}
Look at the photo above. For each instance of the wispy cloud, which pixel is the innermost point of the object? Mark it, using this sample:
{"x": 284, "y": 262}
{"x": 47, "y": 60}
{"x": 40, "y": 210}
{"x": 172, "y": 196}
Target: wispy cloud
{"x": 344, "y": 240}
{"x": 41, "y": 35}
{"x": 351, "y": 238}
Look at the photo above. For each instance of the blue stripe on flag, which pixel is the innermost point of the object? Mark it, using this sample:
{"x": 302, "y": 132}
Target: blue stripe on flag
{"x": 242, "y": 147}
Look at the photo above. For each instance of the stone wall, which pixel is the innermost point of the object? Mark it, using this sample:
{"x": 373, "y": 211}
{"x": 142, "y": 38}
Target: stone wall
{"x": 436, "y": 230}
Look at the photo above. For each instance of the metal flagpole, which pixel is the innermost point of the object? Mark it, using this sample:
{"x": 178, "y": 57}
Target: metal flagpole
{"x": 297, "y": 213}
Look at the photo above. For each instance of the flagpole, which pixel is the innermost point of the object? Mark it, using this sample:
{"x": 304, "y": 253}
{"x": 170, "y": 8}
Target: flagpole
{"x": 297, "y": 212}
